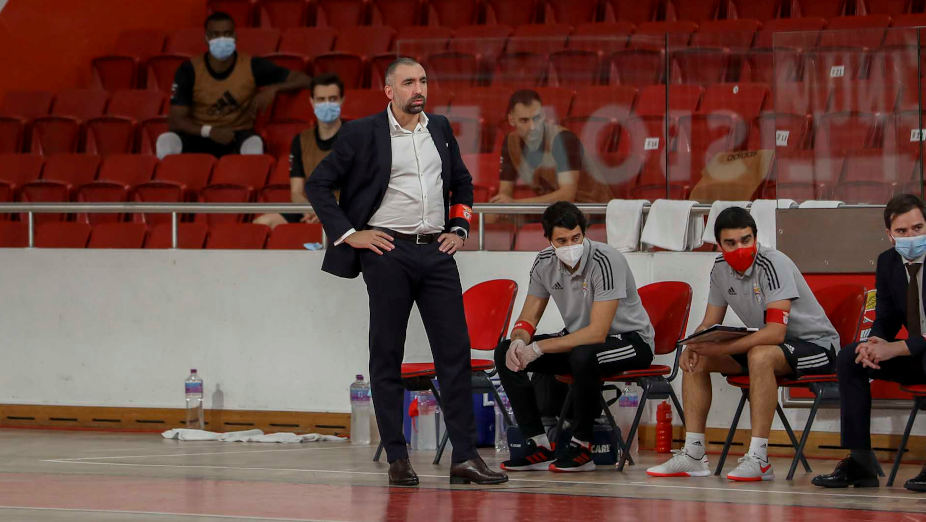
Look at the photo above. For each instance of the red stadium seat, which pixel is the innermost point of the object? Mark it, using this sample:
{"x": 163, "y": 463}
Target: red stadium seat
{"x": 863, "y": 96}
{"x": 512, "y": 13}
{"x": 604, "y": 39}
{"x": 158, "y": 192}
{"x": 453, "y": 70}
{"x": 12, "y": 134}
{"x": 485, "y": 42}
{"x": 539, "y": 38}
{"x": 498, "y": 237}
{"x": 700, "y": 66}
{"x": 17, "y": 169}
{"x": 148, "y": 132}
{"x": 72, "y": 170}
{"x": 779, "y": 131}
{"x": 341, "y": 14}
{"x": 855, "y": 31}
{"x": 109, "y": 135}
{"x": 795, "y": 177}
{"x": 478, "y": 114}
{"x": 80, "y": 104}
{"x": 773, "y": 67}
{"x": 420, "y": 42}
{"x": 102, "y": 192}
{"x": 307, "y": 41}
{"x": 397, "y": 13}
{"x": 636, "y": 67}
{"x": 14, "y": 234}
{"x": 62, "y": 235}
{"x": 292, "y": 236}
{"x": 820, "y": 8}
{"x": 556, "y": 102}
{"x": 361, "y": 103}
{"x": 700, "y": 138}
{"x": 895, "y": 8}
{"x": 726, "y": 33}
{"x": 574, "y": 67}
{"x": 121, "y": 68}
{"x": 365, "y": 41}
{"x": 683, "y": 99}
{"x": 484, "y": 168}
{"x": 245, "y": 170}
{"x": 572, "y": 12}
{"x": 43, "y": 191}
{"x": 188, "y": 41}
{"x": 839, "y": 133}
{"x": 189, "y": 235}
{"x": 348, "y": 66}
{"x": 26, "y": 104}
{"x": 160, "y": 71}
{"x": 520, "y": 70}
{"x": 796, "y": 33}
{"x": 191, "y": 171}
{"x": 902, "y": 32}
{"x": 902, "y": 133}
{"x": 278, "y": 137}
{"x": 751, "y": 9}
{"x": 127, "y": 169}
{"x": 636, "y": 11}
{"x": 118, "y": 235}
{"x": 222, "y": 193}
{"x": 530, "y": 238}
{"x": 137, "y": 104}
{"x": 241, "y": 11}
{"x": 452, "y": 13}
{"x": 293, "y": 106}
{"x": 697, "y": 10}
{"x": 871, "y": 177}
{"x": 257, "y": 41}
{"x": 54, "y": 135}
{"x": 237, "y": 236}
{"x": 745, "y": 99}
{"x": 655, "y": 34}
{"x": 283, "y": 14}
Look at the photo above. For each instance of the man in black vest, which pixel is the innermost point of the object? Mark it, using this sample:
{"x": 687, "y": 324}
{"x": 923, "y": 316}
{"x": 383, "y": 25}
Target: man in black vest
{"x": 403, "y": 211}
{"x": 899, "y": 303}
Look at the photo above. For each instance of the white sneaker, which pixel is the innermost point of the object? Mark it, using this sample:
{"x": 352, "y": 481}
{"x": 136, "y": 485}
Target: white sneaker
{"x": 752, "y": 469}
{"x": 681, "y": 465}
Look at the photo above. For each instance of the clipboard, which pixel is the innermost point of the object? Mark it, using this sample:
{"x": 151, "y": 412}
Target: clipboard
{"x": 718, "y": 333}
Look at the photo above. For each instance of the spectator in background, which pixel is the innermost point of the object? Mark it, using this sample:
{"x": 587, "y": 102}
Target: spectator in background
{"x": 216, "y": 96}
{"x": 311, "y": 146}
{"x": 545, "y": 155}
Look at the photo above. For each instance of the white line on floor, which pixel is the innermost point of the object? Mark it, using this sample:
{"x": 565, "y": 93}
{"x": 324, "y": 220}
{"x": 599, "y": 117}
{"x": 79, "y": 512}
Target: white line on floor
{"x": 162, "y": 513}
{"x": 541, "y": 481}
{"x": 193, "y": 454}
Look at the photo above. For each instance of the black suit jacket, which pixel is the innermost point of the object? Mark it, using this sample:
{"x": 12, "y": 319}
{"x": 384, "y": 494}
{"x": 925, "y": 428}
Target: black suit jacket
{"x": 359, "y": 166}
{"x": 891, "y": 305}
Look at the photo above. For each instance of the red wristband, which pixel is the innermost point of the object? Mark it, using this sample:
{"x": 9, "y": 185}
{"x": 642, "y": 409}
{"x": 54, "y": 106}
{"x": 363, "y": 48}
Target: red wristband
{"x": 526, "y": 326}
{"x": 774, "y": 315}
{"x": 461, "y": 211}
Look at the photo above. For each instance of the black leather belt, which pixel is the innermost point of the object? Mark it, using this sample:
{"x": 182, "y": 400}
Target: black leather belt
{"x": 418, "y": 239}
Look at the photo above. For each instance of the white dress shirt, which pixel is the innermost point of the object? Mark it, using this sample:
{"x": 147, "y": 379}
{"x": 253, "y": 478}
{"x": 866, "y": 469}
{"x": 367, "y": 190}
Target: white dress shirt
{"x": 414, "y": 199}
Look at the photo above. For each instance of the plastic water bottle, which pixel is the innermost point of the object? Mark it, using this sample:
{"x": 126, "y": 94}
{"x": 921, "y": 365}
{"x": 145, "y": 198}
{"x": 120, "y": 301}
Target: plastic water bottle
{"x": 193, "y": 387}
{"x": 425, "y": 426}
{"x": 361, "y": 405}
{"x": 663, "y": 427}
{"x": 501, "y": 431}
{"x": 626, "y": 411}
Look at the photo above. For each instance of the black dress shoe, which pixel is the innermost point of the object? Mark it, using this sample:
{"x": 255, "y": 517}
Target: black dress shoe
{"x": 917, "y": 483}
{"x": 402, "y": 474}
{"x": 475, "y": 470}
{"x": 847, "y": 473}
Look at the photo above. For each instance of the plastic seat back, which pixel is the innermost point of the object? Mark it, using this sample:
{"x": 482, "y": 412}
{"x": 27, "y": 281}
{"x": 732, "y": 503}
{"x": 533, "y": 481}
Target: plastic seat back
{"x": 667, "y": 303}
{"x": 488, "y": 306}
{"x": 844, "y": 306}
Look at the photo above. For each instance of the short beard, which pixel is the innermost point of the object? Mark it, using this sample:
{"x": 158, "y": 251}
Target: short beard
{"x": 411, "y": 109}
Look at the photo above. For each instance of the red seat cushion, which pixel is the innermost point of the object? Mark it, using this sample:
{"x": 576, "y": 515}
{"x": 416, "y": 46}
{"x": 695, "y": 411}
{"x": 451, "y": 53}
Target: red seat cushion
{"x": 916, "y": 389}
{"x": 482, "y": 365}
{"x": 653, "y": 371}
{"x": 742, "y": 381}
{"x": 417, "y": 369}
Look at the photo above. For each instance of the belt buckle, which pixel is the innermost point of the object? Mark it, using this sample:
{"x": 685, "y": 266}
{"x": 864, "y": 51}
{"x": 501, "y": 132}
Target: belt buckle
{"x": 421, "y": 239}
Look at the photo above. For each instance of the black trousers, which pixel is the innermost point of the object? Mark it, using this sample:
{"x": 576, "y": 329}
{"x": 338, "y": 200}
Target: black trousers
{"x": 197, "y": 144}
{"x": 587, "y": 364}
{"x": 423, "y": 275}
{"x": 855, "y": 391}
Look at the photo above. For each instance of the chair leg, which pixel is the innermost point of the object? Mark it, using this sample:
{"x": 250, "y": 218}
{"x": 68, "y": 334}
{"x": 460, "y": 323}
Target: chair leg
{"x": 903, "y": 441}
{"x": 562, "y": 417}
{"x": 732, "y": 432}
{"x": 799, "y": 448}
{"x": 617, "y": 437}
{"x": 446, "y": 437}
{"x": 625, "y": 456}
{"x": 379, "y": 451}
{"x": 678, "y": 405}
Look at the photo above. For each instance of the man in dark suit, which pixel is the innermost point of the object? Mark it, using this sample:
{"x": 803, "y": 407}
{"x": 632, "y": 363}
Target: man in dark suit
{"x": 899, "y": 283}
{"x": 404, "y": 210}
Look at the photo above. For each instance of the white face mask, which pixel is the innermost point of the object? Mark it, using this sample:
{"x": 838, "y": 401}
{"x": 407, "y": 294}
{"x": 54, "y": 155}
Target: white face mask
{"x": 570, "y": 255}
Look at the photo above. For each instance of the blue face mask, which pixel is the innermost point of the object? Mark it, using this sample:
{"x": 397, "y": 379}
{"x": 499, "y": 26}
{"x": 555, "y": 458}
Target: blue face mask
{"x": 910, "y": 248}
{"x": 327, "y": 112}
{"x": 222, "y": 47}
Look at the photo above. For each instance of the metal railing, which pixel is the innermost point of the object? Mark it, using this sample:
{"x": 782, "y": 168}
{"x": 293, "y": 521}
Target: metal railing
{"x": 177, "y": 209}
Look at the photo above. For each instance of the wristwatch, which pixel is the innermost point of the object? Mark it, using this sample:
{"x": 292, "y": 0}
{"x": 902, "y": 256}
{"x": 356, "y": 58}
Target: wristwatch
{"x": 460, "y": 232}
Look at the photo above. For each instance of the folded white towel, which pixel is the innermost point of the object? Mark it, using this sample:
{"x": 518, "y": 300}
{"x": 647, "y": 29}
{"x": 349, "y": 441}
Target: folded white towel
{"x": 716, "y": 208}
{"x": 669, "y": 225}
{"x": 623, "y": 218}
{"x": 247, "y": 436}
{"x": 821, "y": 203}
{"x": 763, "y": 211}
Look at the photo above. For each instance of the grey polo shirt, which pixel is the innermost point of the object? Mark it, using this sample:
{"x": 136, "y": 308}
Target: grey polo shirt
{"x": 603, "y": 275}
{"x": 772, "y": 277}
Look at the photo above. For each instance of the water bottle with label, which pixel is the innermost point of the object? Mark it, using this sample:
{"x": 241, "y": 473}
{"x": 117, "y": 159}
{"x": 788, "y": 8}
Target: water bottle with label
{"x": 425, "y": 426}
{"x": 501, "y": 431}
{"x": 194, "y": 401}
{"x": 361, "y": 406}
{"x": 626, "y": 411}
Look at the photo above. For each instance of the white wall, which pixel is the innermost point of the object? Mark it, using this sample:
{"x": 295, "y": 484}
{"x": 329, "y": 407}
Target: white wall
{"x": 267, "y": 329}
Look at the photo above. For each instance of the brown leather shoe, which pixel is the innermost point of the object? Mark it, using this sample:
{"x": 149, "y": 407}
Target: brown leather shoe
{"x": 402, "y": 474}
{"x": 475, "y": 470}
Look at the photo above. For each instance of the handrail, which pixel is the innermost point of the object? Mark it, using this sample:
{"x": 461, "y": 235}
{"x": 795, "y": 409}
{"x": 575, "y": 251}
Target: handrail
{"x": 174, "y": 209}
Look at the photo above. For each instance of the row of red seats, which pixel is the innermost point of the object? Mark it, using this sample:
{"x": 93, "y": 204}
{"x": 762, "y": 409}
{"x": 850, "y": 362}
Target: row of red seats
{"x": 455, "y": 13}
{"x": 579, "y": 56}
{"x": 290, "y": 236}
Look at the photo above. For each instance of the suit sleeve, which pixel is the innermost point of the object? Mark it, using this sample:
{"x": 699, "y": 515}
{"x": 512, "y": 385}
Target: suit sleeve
{"x": 461, "y": 183}
{"x": 888, "y": 319}
{"x": 329, "y": 175}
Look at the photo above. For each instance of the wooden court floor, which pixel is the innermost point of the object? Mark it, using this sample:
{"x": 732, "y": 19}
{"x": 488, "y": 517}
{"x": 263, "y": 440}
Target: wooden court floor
{"x": 94, "y": 476}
